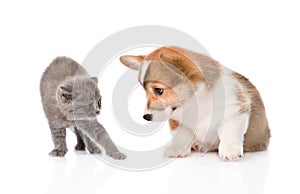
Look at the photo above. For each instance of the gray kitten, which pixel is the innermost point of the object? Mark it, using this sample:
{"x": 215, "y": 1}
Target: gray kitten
{"x": 71, "y": 99}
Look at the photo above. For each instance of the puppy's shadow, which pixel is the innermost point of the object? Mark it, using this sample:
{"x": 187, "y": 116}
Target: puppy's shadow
{"x": 208, "y": 174}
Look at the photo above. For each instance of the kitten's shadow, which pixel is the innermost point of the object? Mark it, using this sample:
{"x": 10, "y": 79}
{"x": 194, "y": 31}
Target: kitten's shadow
{"x": 87, "y": 175}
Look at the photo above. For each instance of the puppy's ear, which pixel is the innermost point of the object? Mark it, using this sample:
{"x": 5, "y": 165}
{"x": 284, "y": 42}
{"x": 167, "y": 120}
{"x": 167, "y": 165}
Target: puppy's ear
{"x": 173, "y": 57}
{"x": 182, "y": 63}
{"x": 65, "y": 93}
{"x": 133, "y": 62}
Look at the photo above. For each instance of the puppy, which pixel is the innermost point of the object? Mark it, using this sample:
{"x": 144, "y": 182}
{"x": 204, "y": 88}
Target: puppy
{"x": 209, "y": 107}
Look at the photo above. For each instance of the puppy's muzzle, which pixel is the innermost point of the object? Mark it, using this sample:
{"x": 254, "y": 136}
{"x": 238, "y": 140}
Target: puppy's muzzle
{"x": 148, "y": 117}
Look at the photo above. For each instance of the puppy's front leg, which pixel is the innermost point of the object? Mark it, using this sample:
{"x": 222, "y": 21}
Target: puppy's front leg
{"x": 182, "y": 140}
{"x": 232, "y": 137}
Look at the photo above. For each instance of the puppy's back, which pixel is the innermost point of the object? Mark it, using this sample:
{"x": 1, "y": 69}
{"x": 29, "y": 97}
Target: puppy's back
{"x": 258, "y": 133}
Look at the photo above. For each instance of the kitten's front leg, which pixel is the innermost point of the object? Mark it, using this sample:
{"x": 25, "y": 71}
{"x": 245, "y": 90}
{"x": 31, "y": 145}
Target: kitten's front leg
{"x": 181, "y": 143}
{"x": 105, "y": 141}
{"x": 59, "y": 140}
{"x": 92, "y": 147}
{"x": 82, "y": 139}
{"x": 80, "y": 146}
{"x": 96, "y": 132}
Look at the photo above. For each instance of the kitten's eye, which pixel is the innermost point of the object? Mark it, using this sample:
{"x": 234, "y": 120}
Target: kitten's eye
{"x": 158, "y": 91}
{"x": 99, "y": 103}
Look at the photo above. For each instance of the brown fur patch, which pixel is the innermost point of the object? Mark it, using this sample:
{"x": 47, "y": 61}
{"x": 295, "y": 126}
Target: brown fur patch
{"x": 243, "y": 100}
{"x": 186, "y": 66}
{"x": 258, "y": 133}
{"x": 179, "y": 60}
{"x": 173, "y": 124}
{"x": 210, "y": 69}
{"x": 195, "y": 66}
{"x": 243, "y": 103}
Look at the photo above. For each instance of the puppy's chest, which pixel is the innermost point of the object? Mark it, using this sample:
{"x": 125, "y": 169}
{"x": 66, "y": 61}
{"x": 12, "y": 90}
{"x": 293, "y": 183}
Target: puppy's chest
{"x": 207, "y": 125}
{"x": 202, "y": 118}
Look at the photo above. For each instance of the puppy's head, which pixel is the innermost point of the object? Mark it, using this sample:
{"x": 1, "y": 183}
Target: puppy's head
{"x": 162, "y": 101}
{"x": 168, "y": 77}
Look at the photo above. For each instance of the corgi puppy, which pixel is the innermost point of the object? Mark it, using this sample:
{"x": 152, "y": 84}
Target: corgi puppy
{"x": 209, "y": 107}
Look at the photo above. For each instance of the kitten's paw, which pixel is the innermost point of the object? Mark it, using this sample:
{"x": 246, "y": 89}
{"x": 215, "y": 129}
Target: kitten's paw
{"x": 230, "y": 152}
{"x": 58, "y": 153}
{"x": 94, "y": 150}
{"x": 177, "y": 152}
{"x": 117, "y": 155}
{"x": 80, "y": 147}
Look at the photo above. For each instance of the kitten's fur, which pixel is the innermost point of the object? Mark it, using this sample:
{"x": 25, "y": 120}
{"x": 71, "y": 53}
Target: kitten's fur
{"x": 71, "y": 99}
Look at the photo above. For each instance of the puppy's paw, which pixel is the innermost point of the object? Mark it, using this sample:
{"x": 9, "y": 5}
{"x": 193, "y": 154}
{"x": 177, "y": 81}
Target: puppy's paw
{"x": 117, "y": 155}
{"x": 230, "y": 152}
{"x": 177, "y": 152}
{"x": 58, "y": 153}
{"x": 197, "y": 146}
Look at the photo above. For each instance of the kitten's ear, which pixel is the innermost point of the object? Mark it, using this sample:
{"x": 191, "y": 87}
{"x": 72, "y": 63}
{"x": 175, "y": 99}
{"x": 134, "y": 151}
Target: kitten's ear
{"x": 95, "y": 79}
{"x": 65, "y": 93}
{"x": 133, "y": 62}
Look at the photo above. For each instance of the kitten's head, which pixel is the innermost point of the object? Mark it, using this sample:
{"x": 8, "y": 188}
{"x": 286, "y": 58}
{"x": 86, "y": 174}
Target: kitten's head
{"x": 79, "y": 98}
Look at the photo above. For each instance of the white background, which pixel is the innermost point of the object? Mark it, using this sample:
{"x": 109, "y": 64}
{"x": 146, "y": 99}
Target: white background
{"x": 259, "y": 39}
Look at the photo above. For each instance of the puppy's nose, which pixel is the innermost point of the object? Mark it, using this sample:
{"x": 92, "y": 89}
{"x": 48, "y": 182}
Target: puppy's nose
{"x": 147, "y": 117}
{"x": 97, "y": 112}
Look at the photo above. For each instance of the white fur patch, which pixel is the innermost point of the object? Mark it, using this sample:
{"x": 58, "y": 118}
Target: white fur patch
{"x": 235, "y": 124}
{"x": 159, "y": 116}
{"x": 232, "y": 137}
{"x": 216, "y": 117}
{"x": 181, "y": 142}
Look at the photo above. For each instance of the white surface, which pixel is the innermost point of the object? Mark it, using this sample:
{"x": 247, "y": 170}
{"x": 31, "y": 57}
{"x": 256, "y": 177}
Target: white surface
{"x": 259, "y": 39}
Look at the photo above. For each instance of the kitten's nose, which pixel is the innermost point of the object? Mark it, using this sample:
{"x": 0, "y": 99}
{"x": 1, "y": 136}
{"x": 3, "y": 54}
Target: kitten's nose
{"x": 148, "y": 117}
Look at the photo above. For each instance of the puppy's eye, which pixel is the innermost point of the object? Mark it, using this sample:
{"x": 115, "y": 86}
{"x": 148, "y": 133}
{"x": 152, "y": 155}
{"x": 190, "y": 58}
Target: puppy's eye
{"x": 158, "y": 91}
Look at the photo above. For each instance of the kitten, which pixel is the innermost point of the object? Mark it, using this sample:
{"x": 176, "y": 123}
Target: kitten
{"x": 71, "y": 99}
